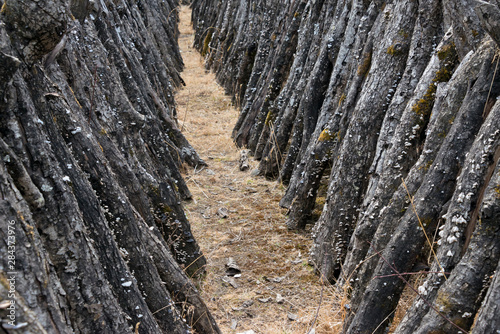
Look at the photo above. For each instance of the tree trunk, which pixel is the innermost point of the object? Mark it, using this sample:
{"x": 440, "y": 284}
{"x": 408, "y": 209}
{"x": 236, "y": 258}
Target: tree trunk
{"x": 395, "y": 98}
{"x": 408, "y": 239}
{"x": 90, "y": 182}
{"x": 475, "y": 179}
{"x": 487, "y": 319}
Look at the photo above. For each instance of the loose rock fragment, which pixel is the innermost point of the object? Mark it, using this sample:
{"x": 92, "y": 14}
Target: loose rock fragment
{"x": 265, "y": 300}
{"x": 247, "y": 303}
{"x": 255, "y": 172}
{"x": 251, "y": 190}
{"x": 230, "y": 281}
{"x": 223, "y": 212}
{"x": 244, "y": 160}
{"x": 232, "y": 267}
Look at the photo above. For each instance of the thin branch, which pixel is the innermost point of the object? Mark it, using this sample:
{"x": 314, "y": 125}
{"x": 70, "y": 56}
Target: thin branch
{"x": 422, "y": 227}
{"x": 319, "y": 306}
{"x": 491, "y": 85}
{"x": 381, "y": 323}
{"x": 415, "y": 290}
{"x": 137, "y": 327}
{"x": 186, "y": 111}
{"x": 414, "y": 273}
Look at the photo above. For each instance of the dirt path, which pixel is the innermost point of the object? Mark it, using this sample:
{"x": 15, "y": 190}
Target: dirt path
{"x": 273, "y": 261}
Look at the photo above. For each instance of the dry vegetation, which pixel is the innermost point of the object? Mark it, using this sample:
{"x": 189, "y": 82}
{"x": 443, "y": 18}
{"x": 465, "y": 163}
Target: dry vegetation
{"x": 272, "y": 260}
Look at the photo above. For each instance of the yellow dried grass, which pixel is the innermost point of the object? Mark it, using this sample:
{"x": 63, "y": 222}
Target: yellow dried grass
{"x": 254, "y": 233}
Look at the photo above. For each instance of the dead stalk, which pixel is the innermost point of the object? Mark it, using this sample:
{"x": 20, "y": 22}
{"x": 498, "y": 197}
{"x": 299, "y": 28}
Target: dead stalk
{"x": 423, "y": 228}
{"x": 415, "y": 290}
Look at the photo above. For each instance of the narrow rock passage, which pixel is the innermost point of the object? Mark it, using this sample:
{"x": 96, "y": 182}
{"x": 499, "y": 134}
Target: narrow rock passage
{"x": 277, "y": 291}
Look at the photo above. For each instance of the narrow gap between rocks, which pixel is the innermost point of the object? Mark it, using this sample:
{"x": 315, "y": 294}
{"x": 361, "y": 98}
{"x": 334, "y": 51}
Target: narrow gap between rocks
{"x": 236, "y": 215}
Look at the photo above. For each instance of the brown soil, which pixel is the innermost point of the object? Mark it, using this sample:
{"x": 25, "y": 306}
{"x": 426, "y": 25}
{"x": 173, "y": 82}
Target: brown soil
{"x": 273, "y": 260}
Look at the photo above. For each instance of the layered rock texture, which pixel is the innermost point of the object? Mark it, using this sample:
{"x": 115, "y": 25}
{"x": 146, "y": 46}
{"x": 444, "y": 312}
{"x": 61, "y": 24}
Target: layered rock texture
{"x": 93, "y": 235}
{"x": 384, "y": 115}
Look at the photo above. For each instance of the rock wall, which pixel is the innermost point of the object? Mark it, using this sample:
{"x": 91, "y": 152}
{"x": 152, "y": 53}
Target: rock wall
{"x": 94, "y": 237}
{"x": 383, "y": 116}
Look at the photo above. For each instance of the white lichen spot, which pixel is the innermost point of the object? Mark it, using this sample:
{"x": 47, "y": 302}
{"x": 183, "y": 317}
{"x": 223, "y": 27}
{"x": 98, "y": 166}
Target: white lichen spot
{"x": 451, "y": 239}
{"x": 458, "y": 219}
{"x": 422, "y": 290}
{"x": 450, "y": 253}
{"x": 66, "y": 179}
{"x": 46, "y": 187}
{"x": 466, "y": 315}
{"x": 127, "y": 284}
{"x": 77, "y": 130}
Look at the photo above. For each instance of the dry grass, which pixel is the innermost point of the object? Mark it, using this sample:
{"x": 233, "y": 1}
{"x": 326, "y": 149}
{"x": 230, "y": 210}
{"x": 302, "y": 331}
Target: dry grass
{"x": 254, "y": 233}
